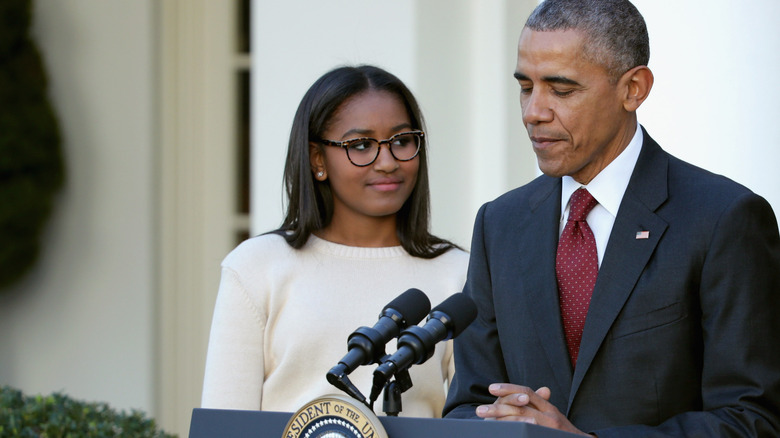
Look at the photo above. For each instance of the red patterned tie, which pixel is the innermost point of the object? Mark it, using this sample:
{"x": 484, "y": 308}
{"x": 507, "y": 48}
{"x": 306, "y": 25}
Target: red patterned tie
{"x": 576, "y": 266}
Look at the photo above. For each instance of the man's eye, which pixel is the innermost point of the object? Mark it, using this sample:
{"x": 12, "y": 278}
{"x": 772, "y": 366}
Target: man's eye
{"x": 562, "y": 93}
{"x": 525, "y": 86}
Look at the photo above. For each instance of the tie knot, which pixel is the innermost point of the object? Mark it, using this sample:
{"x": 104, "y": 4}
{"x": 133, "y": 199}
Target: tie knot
{"x": 580, "y": 204}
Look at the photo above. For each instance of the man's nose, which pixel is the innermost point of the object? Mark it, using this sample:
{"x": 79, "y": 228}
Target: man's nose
{"x": 536, "y": 108}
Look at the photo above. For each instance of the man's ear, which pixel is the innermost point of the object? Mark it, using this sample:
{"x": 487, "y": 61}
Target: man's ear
{"x": 637, "y": 83}
{"x": 317, "y": 160}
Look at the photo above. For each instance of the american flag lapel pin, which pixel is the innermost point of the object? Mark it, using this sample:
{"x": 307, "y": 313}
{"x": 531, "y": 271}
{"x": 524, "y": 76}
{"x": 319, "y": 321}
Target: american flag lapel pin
{"x": 642, "y": 235}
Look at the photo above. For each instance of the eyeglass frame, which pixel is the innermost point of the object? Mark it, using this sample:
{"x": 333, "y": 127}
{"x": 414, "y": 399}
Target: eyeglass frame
{"x": 346, "y": 143}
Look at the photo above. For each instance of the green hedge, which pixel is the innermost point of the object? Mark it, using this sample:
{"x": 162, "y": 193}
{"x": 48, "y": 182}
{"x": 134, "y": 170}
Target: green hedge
{"x": 59, "y": 416}
{"x": 31, "y": 164}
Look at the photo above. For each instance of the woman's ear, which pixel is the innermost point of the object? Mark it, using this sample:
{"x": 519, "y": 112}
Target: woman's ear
{"x": 637, "y": 82}
{"x": 317, "y": 160}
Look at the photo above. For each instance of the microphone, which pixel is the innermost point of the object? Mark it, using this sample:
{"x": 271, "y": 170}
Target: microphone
{"x": 367, "y": 345}
{"x": 416, "y": 344}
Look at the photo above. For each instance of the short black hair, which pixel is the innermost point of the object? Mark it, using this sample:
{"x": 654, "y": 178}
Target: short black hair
{"x": 616, "y": 33}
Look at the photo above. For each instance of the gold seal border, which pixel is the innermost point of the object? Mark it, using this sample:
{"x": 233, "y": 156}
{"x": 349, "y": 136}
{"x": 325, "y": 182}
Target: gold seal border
{"x": 349, "y": 410}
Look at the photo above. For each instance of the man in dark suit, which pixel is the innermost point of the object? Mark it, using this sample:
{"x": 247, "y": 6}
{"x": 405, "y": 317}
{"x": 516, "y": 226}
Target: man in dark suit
{"x": 660, "y": 314}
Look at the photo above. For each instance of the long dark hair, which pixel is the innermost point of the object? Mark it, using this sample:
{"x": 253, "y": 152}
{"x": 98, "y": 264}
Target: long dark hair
{"x": 310, "y": 202}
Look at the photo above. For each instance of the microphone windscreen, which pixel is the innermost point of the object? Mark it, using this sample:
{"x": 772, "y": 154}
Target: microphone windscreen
{"x": 412, "y": 304}
{"x": 461, "y": 311}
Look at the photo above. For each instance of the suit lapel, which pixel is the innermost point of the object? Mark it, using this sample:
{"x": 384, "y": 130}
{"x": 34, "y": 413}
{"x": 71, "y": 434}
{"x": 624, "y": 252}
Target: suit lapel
{"x": 537, "y": 275}
{"x": 627, "y": 253}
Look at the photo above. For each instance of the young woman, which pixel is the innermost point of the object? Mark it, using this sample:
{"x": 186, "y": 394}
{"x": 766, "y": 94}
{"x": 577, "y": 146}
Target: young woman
{"x": 356, "y": 236}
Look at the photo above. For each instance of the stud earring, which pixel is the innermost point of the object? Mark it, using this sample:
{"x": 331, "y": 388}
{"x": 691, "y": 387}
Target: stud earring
{"x": 320, "y": 174}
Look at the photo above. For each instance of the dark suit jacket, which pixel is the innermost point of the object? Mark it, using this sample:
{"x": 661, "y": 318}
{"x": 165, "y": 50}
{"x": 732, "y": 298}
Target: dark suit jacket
{"x": 682, "y": 332}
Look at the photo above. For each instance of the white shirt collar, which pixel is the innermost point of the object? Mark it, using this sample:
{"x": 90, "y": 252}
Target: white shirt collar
{"x": 610, "y": 184}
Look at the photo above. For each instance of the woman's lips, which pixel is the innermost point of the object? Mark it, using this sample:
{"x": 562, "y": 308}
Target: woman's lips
{"x": 385, "y": 185}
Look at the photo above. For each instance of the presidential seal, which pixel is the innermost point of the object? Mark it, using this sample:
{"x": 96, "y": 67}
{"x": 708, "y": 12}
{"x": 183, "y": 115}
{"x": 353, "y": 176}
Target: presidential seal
{"x": 334, "y": 416}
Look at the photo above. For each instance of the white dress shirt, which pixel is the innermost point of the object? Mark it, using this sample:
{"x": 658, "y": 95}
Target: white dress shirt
{"x": 608, "y": 188}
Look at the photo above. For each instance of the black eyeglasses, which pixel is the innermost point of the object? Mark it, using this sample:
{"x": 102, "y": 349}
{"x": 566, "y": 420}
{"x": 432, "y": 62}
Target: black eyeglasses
{"x": 363, "y": 151}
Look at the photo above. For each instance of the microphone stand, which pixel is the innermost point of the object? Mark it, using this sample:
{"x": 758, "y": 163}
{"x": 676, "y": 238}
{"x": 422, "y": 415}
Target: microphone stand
{"x": 394, "y": 382}
{"x": 391, "y": 402}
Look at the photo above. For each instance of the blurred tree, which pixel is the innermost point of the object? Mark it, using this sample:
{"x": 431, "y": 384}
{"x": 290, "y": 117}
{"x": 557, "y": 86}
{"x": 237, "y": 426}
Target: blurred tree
{"x": 31, "y": 164}
{"x": 59, "y": 415}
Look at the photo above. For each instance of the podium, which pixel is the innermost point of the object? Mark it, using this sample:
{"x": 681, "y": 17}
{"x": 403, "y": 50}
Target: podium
{"x": 208, "y": 423}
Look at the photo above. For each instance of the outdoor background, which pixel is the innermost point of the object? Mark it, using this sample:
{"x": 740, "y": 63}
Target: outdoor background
{"x": 119, "y": 305}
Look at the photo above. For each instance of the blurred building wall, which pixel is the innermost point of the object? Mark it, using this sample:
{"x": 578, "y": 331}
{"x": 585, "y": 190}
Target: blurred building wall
{"x": 83, "y": 321}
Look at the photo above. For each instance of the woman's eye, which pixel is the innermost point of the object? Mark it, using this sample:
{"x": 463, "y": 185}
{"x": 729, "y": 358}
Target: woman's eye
{"x": 402, "y": 141}
{"x": 360, "y": 145}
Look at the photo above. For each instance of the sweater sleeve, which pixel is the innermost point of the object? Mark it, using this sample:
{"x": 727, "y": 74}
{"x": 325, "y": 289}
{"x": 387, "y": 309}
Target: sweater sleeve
{"x": 234, "y": 362}
{"x": 448, "y": 364}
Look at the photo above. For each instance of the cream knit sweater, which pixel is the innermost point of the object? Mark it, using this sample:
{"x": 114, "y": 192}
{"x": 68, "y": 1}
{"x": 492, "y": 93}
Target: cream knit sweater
{"x": 282, "y": 318}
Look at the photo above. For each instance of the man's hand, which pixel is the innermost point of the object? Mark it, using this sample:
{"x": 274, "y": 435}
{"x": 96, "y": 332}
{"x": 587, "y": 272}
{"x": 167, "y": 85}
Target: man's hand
{"x": 521, "y": 403}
